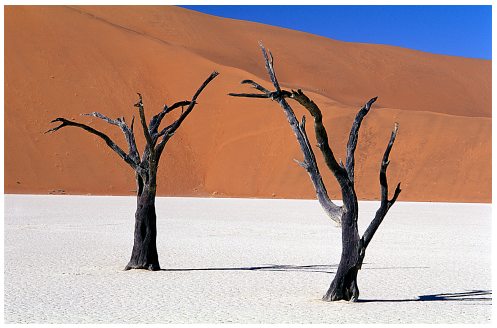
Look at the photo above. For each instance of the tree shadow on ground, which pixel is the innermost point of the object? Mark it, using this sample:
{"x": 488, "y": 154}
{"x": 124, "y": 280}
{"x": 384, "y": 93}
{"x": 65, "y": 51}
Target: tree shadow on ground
{"x": 474, "y": 295}
{"x": 282, "y": 267}
{"x": 269, "y": 267}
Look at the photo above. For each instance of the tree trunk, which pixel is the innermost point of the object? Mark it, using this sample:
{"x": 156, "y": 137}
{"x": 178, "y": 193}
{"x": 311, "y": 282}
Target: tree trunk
{"x": 144, "y": 255}
{"x": 344, "y": 285}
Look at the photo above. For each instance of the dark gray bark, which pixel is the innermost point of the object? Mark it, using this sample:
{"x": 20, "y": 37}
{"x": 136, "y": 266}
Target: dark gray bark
{"x": 344, "y": 285}
{"x": 309, "y": 163}
{"x": 144, "y": 254}
{"x": 64, "y": 122}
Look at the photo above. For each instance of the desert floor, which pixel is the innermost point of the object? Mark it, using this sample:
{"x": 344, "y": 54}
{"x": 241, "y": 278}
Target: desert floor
{"x": 242, "y": 261}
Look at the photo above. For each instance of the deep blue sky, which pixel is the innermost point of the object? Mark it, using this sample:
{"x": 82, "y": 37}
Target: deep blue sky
{"x": 451, "y": 30}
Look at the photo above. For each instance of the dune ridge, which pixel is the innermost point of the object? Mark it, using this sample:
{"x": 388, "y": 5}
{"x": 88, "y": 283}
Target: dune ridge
{"x": 63, "y": 61}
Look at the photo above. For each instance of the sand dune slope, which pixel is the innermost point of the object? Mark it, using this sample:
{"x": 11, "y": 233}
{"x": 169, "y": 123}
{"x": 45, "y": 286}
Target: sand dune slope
{"x": 63, "y": 61}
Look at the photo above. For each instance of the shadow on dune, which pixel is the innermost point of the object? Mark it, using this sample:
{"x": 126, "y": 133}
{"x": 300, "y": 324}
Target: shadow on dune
{"x": 474, "y": 295}
{"x": 282, "y": 267}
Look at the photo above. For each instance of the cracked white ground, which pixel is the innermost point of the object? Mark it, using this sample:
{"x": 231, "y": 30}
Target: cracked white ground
{"x": 241, "y": 261}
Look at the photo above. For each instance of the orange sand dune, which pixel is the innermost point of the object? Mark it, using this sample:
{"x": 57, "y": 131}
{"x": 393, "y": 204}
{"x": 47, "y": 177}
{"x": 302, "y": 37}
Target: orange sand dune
{"x": 63, "y": 61}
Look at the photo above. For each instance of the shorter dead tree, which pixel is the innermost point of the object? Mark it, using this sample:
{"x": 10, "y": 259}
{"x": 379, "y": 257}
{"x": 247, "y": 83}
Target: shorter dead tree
{"x": 344, "y": 284}
{"x": 144, "y": 254}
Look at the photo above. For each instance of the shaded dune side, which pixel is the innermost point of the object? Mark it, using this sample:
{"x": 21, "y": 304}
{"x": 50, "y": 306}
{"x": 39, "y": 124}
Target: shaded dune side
{"x": 60, "y": 62}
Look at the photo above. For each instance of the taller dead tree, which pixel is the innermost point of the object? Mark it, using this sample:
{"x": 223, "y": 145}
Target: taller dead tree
{"x": 144, "y": 254}
{"x": 344, "y": 284}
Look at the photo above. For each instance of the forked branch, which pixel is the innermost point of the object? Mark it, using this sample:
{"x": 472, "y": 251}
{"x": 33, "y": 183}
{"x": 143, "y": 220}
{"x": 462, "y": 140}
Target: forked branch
{"x": 309, "y": 163}
{"x": 64, "y": 122}
{"x": 354, "y": 135}
{"x": 385, "y": 202}
{"x": 127, "y": 131}
{"x": 157, "y": 119}
{"x": 256, "y": 86}
{"x": 321, "y": 134}
{"x": 143, "y": 121}
{"x": 169, "y": 131}
{"x": 344, "y": 285}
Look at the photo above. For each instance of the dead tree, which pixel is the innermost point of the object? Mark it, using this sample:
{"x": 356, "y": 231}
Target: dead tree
{"x": 344, "y": 284}
{"x": 144, "y": 254}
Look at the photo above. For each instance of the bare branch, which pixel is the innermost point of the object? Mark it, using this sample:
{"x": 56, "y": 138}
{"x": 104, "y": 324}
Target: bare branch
{"x": 268, "y": 58}
{"x": 256, "y": 86}
{"x": 141, "y": 110}
{"x": 302, "y": 164}
{"x": 271, "y": 95}
{"x": 383, "y": 172}
{"x": 303, "y": 132}
{"x": 395, "y": 195}
{"x": 321, "y": 134}
{"x": 128, "y": 133}
{"x": 169, "y": 131}
{"x": 333, "y": 211}
{"x": 108, "y": 141}
{"x": 354, "y": 135}
{"x": 157, "y": 119}
{"x": 250, "y": 95}
{"x": 385, "y": 202}
{"x": 102, "y": 117}
{"x": 309, "y": 163}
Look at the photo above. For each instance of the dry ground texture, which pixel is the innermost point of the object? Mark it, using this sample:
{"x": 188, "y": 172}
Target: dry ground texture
{"x": 242, "y": 261}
